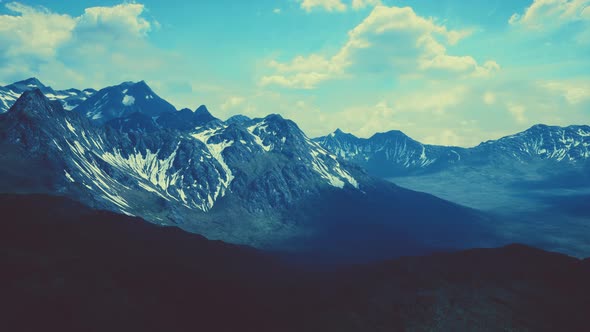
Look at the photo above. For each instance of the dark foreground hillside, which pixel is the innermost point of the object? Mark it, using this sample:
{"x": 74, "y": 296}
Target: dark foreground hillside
{"x": 65, "y": 267}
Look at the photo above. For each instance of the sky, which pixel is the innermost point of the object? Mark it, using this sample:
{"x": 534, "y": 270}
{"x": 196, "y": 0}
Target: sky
{"x": 449, "y": 72}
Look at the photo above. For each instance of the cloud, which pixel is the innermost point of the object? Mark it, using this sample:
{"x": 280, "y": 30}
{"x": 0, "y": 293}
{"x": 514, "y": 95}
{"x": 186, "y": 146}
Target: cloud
{"x": 38, "y": 32}
{"x": 575, "y": 92}
{"x": 391, "y": 40}
{"x": 100, "y": 47}
{"x": 489, "y": 98}
{"x": 328, "y": 5}
{"x": 337, "y": 5}
{"x": 276, "y": 10}
{"x": 546, "y": 15}
{"x": 119, "y": 19}
{"x": 232, "y": 103}
{"x": 302, "y": 72}
{"x": 446, "y": 137}
{"x": 361, "y": 4}
{"x": 33, "y": 31}
{"x": 518, "y": 112}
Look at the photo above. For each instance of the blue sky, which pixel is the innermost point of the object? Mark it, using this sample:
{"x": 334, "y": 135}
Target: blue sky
{"x": 445, "y": 72}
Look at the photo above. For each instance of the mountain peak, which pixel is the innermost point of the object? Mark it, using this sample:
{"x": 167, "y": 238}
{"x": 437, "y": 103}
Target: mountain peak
{"x": 391, "y": 134}
{"x": 340, "y": 134}
{"x": 239, "y": 118}
{"x": 394, "y": 132}
{"x": 140, "y": 89}
{"x": 121, "y": 100}
{"x": 30, "y": 82}
{"x": 202, "y": 109}
{"x": 203, "y": 115}
{"x": 539, "y": 126}
{"x": 34, "y": 102}
{"x": 142, "y": 85}
{"x": 274, "y": 117}
{"x": 337, "y": 135}
{"x": 34, "y": 96}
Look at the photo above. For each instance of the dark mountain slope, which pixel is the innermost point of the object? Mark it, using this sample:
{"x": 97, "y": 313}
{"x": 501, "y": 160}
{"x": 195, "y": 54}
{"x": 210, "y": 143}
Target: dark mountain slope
{"x": 73, "y": 268}
{"x": 68, "y": 268}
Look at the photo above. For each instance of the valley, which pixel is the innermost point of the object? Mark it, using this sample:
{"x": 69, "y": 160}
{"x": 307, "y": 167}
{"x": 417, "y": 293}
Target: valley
{"x": 535, "y": 183}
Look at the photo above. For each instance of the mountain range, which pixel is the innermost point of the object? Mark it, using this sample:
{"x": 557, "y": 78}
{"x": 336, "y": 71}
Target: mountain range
{"x": 260, "y": 182}
{"x": 536, "y": 182}
{"x": 394, "y": 154}
{"x": 69, "y": 98}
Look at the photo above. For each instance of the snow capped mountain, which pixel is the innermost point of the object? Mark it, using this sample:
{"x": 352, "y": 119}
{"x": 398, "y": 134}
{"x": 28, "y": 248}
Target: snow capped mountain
{"x": 278, "y": 136}
{"x": 260, "y": 181}
{"x": 395, "y": 154}
{"x": 69, "y": 98}
{"x": 567, "y": 145}
{"x": 385, "y": 154}
{"x": 193, "y": 168}
{"x": 122, "y": 100}
{"x": 114, "y": 165}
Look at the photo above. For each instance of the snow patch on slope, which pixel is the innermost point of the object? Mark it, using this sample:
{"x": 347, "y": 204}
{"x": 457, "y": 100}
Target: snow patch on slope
{"x": 334, "y": 174}
{"x": 148, "y": 166}
{"x": 88, "y": 168}
{"x": 261, "y": 126}
{"x": 128, "y": 100}
{"x": 216, "y": 151}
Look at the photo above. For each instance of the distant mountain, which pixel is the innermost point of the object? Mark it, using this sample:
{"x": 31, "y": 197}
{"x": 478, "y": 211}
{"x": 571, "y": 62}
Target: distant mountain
{"x": 69, "y": 98}
{"x": 394, "y": 154}
{"x": 390, "y": 153}
{"x": 260, "y": 182}
{"x": 78, "y": 269}
{"x": 186, "y": 119}
{"x": 237, "y": 119}
{"x": 183, "y": 120}
{"x": 565, "y": 145}
{"x": 123, "y": 100}
{"x": 534, "y": 181}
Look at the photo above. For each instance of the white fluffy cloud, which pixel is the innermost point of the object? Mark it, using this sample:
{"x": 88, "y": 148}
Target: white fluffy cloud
{"x": 328, "y": 5}
{"x": 547, "y": 15}
{"x": 392, "y": 40}
{"x": 489, "y": 98}
{"x": 100, "y": 45}
{"x": 37, "y": 31}
{"x": 33, "y": 31}
{"x": 360, "y": 4}
{"x": 574, "y": 92}
{"x": 231, "y": 103}
{"x": 123, "y": 18}
{"x": 336, "y": 5}
{"x": 518, "y": 112}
